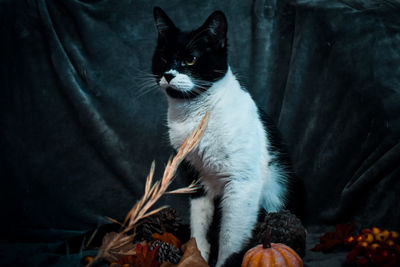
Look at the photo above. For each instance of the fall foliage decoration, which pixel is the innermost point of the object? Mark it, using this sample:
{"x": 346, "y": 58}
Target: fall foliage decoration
{"x": 117, "y": 246}
{"x": 167, "y": 220}
{"x": 191, "y": 257}
{"x": 167, "y": 238}
{"x": 271, "y": 254}
{"x": 166, "y": 252}
{"x": 87, "y": 260}
{"x": 144, "y": 257}
{"x": 372, "y": 247}
{"x": 331, "y": 240}
{"x": 149, "y": 254}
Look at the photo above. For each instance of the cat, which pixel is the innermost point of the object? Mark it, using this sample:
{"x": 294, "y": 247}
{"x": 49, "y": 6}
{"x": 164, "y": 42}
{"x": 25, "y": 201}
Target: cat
{"x": 235, "y": 158}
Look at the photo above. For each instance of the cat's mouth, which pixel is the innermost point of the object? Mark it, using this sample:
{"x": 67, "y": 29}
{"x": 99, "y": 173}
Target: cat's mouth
{"x": 179, "y": 86}
{"x": 173, "y": 92}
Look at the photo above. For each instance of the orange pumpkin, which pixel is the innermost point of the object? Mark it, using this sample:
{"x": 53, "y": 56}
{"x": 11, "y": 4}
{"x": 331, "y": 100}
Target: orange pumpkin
{"x": 271, "y": 255}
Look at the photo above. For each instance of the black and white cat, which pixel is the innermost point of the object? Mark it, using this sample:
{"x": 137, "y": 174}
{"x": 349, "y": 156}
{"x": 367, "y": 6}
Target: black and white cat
{"x": 234, "y": 158}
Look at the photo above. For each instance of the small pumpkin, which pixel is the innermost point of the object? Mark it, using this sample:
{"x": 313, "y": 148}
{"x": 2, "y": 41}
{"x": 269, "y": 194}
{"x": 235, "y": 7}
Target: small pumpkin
{"x": 271, "y": 254}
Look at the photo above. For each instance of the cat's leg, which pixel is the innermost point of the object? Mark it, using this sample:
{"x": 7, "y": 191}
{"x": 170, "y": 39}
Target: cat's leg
{"x": 201, "y": 215}
{"x": 240, "y": 206}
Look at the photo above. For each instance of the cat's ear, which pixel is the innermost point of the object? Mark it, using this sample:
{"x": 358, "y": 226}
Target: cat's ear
{"x": 217, "y": 25}
{"x": 163, "y": 22}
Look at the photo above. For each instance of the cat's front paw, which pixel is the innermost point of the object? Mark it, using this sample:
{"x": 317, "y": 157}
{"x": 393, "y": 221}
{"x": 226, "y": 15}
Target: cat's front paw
{"x": 204, "y": 248}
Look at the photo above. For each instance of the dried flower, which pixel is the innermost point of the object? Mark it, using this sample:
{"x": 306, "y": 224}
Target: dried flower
{"x": 117, "y": 244}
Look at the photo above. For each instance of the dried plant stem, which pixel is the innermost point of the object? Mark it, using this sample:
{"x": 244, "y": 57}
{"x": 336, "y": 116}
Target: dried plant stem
{"x": 152, "y": 194}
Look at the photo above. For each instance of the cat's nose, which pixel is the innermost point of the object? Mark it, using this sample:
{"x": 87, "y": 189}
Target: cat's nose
{"x": 168, "y": 77}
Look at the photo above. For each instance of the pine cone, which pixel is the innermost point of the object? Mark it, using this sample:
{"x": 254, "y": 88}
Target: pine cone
{"x": 286, "y": 229}
{"x": 166, "y": 252}
{"x": 164, "y": 221}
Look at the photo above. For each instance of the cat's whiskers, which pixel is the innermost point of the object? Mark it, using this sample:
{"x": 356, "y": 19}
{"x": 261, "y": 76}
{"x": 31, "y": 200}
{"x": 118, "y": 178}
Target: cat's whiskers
{"x": 202, "y": 84}
{"x": 199, "y": 88}
{"x": 144, "y": 83}
{"x": 144, "y": 89}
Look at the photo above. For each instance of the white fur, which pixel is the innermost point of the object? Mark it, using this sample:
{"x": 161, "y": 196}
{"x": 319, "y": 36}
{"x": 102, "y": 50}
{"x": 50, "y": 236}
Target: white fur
{"x": 181, "y": 82}
{"x": 232, "y": 159}
{"x": 201, "y": 212}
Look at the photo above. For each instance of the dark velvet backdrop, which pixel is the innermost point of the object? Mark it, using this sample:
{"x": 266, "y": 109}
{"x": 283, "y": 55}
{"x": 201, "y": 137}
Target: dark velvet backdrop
{"x": 79, "y": 132}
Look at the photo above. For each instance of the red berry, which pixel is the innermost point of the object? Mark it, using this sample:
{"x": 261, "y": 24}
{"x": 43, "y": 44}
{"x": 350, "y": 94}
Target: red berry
{"x": 366, "y": 231}
{"x": 390, "y": 243}
{"x": 369, "y": 238}
{"x": 359, "y": 238}
{"x": 382, "y": 236}
{"x": 349, "y": 240}
{"x": 374, "y": 246}
{"x": 376, "y": 230}
{"x": 394, "y": 235}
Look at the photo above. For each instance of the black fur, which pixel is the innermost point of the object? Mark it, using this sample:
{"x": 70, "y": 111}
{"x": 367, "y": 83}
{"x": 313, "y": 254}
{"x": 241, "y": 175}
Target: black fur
{"x": 183, "y": 95}
{"x": 296, "y": 192}
{"x": 235, "y": 260}
{"x": 175, "y": 47}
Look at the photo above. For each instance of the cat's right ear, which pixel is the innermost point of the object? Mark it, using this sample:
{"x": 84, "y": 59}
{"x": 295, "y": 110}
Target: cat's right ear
{"x": 163, "y": 22}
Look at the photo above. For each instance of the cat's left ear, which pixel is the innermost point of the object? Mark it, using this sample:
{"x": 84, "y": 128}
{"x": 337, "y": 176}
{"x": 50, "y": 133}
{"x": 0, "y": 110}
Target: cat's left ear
{"x": 217, "y": 26}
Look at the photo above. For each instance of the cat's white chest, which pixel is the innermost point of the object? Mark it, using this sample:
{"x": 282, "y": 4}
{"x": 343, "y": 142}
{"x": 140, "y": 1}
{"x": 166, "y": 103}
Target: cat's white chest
{"x": 179, "y": 130}
{"x": 228, "y": 145}
{"x": 209, "y": 154}
{"x": 209, "y": 157}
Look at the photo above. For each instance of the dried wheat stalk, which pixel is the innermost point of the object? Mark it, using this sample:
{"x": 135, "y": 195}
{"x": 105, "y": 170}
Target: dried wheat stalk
{"x": 121, "y": 243}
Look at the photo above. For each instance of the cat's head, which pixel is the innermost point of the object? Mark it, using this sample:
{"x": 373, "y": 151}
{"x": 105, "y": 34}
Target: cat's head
{"x": 186, "y": 64}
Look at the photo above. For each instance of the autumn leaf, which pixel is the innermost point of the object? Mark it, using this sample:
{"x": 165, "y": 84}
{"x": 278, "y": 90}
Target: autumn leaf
{"x": 167, "y": 238}
{"x": 330, "y": 240}
{"x": 191, "y": 257}
{"x": 128, "y": 259}
{"x": 146, "y": 257}
{"x": 344, "y": 230}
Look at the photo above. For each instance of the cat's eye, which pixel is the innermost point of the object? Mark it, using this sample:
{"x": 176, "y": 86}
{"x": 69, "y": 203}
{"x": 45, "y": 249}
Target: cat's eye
{"x": 190, "y": 61}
